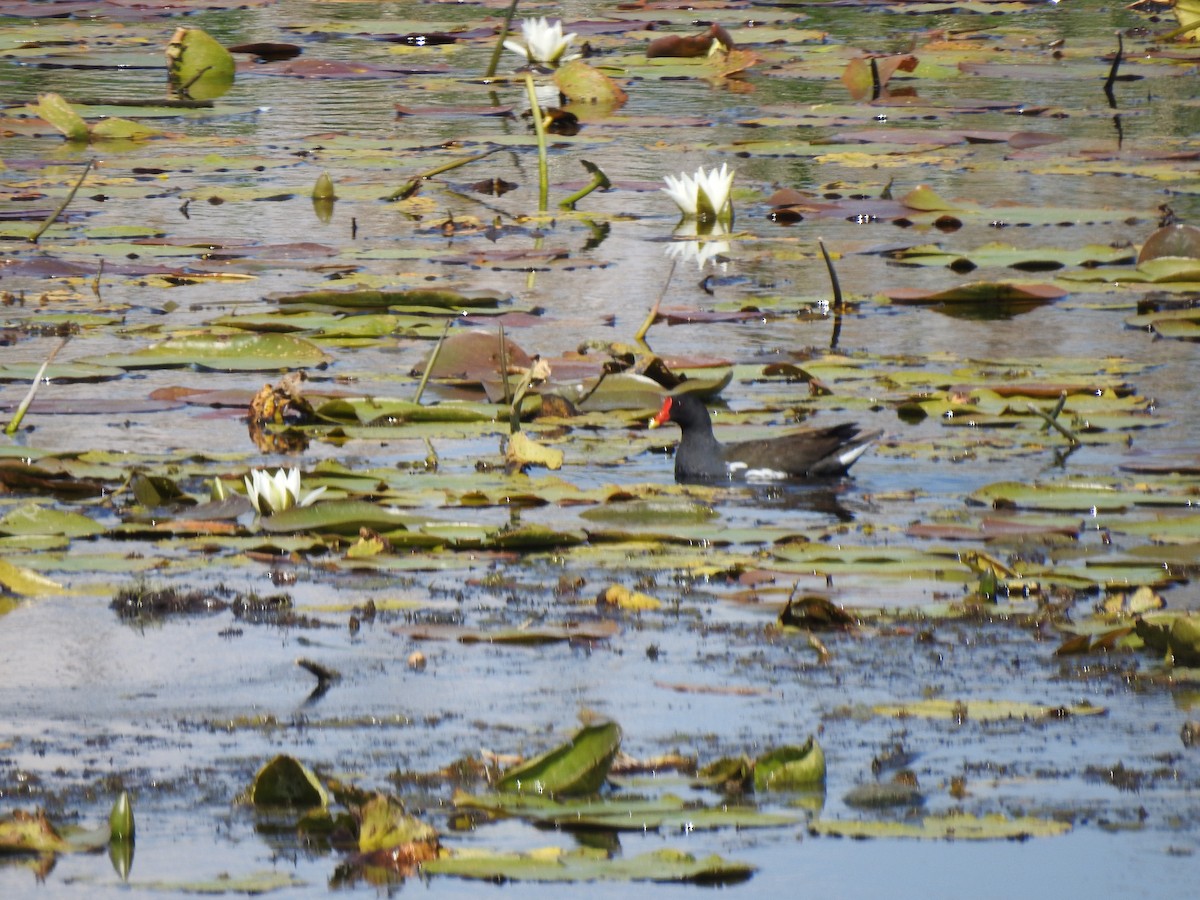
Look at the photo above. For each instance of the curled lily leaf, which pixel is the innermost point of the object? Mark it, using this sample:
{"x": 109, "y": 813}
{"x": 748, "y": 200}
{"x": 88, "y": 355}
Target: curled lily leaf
{"x": 544, "y": 43}
{"x": 704, "y": 196}
{"x": 275, "y": 493}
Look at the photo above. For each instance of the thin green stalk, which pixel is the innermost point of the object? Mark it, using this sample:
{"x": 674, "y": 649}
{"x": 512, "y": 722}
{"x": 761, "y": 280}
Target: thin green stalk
{"x": 499, "y": 48}
{"x": 539, "y": 127}
{"x": 12, "y": 426}
{"x": 33, "y": 238}
{"x": 432, "y": 361}
{"x": 1051, "y": 420}
{"x": 599, "y": 180}
{"x": 504, "y": 365}
{"x": 838, "y": 303}
{"x": 514, "y": 413}
{"x": 410, "y": 187}
{"x": 641, "y": 332}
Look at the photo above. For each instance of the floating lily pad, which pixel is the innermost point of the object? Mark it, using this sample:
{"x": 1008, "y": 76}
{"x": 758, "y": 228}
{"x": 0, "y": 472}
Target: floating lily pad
{"x": 984, "y": 710}
{"x": 790, "y": 768}
{"x": 28, "y": 520}
{"x": 580, "y": 766}
{"x": 339, "y": 516}
{"x": 26, "y": 582}
{"x": 229, "y": 353}
{"x": 619, "y": 813}
{"x": 585, "y": 865}
{"x": 285, "y": 781}
{"x": 962, "y": 827}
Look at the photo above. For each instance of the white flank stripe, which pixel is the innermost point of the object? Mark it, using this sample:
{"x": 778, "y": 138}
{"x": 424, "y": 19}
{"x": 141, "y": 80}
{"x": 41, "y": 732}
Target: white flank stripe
{"x": 851, "y": 455}
{"x": 765, "y": 475}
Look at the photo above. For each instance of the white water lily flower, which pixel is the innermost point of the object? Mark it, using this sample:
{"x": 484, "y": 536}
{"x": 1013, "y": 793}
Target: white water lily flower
{"x": 703, "y": 196}
{"x": 545, "y": 43}
{"x": 275, "y": 493}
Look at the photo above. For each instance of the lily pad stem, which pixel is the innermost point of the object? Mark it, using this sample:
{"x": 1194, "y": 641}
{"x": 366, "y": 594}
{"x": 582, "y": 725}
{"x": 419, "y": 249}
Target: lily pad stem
{"x": 1051, "y": 419}
{"x": 33, "y": 238}
{"x": 437, "y": 348}
{"x": 838, "y": 303}
{"x": 838, "y": 300}
{"x": 504, "y": 364}
{"x": 514, "y": 419}
{"x": 1112, "y": 72}
{"x": 494, "y": 63}
{"x": 540, "y": 128}
{"x": 12, "y": 426}
{"x": 641, "y": 332}
{"x": 599, "y": 180}
{"x": 410, "y": 187}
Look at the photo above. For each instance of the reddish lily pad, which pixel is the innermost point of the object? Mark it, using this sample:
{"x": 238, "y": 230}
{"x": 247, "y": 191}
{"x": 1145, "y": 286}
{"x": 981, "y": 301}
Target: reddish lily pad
{"x": 997, "y": 293}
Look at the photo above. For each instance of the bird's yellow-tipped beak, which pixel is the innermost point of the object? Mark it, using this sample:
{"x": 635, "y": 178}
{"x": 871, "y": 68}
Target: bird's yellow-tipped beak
{"x": 663, "y": 416}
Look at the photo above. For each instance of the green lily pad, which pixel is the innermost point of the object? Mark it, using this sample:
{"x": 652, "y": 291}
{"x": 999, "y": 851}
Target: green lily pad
{"x": 441, "y": 299}
{"x": 657, "y": 511}
{"x": 198, "y": 66}
{"x": 285, "y": 781}
{"x": 619, "y": 813}
{"x": 587, "y": 864}
{"x": 579, "y": 766}
{"x": 391, "y": 410}
{"x": 226, "y": 353}
{"x": 59, "y": 113}
{"x": 1060, "y": 497}
{"x": 252, "y": 884}
{"x": 790, "y": 768}
{"x": 339, "y": 517}
{"x": 42, "y": 520}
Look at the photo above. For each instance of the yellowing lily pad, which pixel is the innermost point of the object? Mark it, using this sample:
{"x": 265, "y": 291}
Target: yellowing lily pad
{"x": 984, "y": 710}
{"x": 949, "y": 827}
{"x": 20, "y": 580}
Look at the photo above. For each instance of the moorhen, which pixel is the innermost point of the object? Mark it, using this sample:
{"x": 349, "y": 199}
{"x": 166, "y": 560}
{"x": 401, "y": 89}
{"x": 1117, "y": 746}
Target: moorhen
{"x": 811, "y": 453}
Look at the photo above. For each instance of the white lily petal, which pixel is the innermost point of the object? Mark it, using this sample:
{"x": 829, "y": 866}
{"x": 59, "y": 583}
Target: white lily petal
{"x": 705, "y": 194}
{"x": 312, "y": 496}
{"x": 544, "y": 42}
{"x": 292, "y": 484}
{"x": 252, "y": 490}
{"x": 683, "y": 191}
{"x": 516, "y": 48}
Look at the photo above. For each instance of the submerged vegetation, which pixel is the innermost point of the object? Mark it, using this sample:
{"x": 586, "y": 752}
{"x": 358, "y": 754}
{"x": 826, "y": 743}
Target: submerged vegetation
{"x": 338, "y": 312}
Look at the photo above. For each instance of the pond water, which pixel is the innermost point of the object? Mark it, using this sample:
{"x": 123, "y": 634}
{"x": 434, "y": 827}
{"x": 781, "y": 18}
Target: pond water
{"x": 183, "y": 710}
